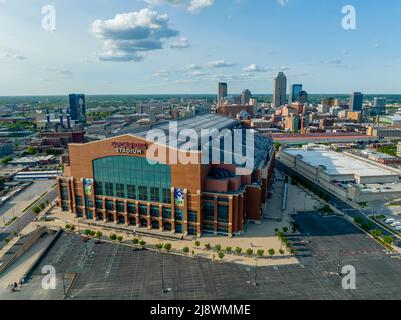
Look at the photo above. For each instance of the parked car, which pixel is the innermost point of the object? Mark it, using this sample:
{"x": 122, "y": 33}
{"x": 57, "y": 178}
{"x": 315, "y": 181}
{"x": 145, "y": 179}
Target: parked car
{"x": 398, "y": 228}
{"x": 388, "y": 221}
{"x": 396, "y": 224}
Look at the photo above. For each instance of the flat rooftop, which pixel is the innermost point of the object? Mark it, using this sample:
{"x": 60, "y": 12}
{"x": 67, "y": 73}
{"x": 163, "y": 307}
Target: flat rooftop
{"x": 339, "y": 163}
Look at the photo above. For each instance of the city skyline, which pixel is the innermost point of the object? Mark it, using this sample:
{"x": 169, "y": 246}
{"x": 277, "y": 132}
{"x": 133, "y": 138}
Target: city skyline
{"x": 109, "y": 48}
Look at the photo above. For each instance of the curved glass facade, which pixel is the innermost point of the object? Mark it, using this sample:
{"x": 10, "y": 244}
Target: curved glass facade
{"x": 131, "y": 178}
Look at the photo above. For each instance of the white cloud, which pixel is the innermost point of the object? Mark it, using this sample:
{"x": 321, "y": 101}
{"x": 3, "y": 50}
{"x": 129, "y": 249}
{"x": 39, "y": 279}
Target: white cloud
{"x": 255, "y": 68}
{"x": 181, "y": 43}
{"x": 282, "y": 2}
{"x": 128, "y": 36}
{"x": 192, "y": 6}
{"x": 193, "y": 67}
{"x": 219, "y": 64}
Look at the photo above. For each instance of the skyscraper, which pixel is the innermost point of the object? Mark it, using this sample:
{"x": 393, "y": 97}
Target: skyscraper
{"x": 295, "y": 91}
{"x": 222, "y": 92}
{"x": 245, "y": 97}
{"x": 356, "y": 102}
{"x": 77, "y": 107}
{"x": 280, "y": 90}
{"x": 379, "y": 102}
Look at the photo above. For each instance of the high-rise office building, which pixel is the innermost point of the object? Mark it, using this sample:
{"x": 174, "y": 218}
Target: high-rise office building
{"x": 246, "y": 97}
{"x": 295, "y": 91}
{"x": 222, "y": 92}
{"x": 77, "y": 107}
{"x": 356, "y": 102}
{"x": 303, "y": 97}
{"x": 379, "y": 102}
{"x": 280, "y": 90}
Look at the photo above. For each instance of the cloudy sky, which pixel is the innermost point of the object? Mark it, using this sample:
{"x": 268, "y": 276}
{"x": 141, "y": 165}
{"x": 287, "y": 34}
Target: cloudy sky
{"x": 187, "y": 46}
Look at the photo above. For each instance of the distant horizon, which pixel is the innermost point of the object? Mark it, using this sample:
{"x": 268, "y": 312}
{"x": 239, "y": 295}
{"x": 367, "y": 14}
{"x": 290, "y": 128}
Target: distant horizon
{"x": 186, "y": 94}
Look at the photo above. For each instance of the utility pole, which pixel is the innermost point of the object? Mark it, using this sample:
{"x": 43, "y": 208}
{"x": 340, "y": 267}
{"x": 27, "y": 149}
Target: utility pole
{"x": 339, "y": 263}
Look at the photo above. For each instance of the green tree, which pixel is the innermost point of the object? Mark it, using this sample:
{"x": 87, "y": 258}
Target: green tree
{"x": 31, "y": 151}
{"x": 36, "y": 210}
{"x": 42, "y": 206}
{"x": 281, "y": 251}
{"x": 229, "y": 249}
{"x": 87, "y": 232}
{"x": 249, "y": 252}
{"x": 197, "y": 244}
{"x": 99, "y": 234}
{"x": 376, "y": 233}
{"x": 272, "y": 252}
{"x": 208, "y": 246}
{"x": 120, "y": 239}
{"x": 135, "y": 241}
{"x": 388, "y": 240}
{"x": 238, "y": 250}
{"x": 159, "y": 246}
{"x": 285, "y": 229}
{"x": 113, "y": 237}
{"x": 261, "y": 253}
{"x": 217, "y": 247}
{"x": 167, "y": 246}
{"x": 185, "y": 250}
{"x": 142, "y": 243}
{"x": 221, "y": 255}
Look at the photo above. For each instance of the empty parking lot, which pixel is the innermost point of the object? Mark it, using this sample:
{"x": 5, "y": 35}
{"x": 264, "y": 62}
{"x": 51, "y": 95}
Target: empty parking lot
{"x": 111, "y": 271}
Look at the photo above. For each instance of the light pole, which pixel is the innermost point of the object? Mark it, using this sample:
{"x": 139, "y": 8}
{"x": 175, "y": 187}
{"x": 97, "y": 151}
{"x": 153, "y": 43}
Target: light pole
{"x": 255, "y": 274}
{"x": 339, "y": 263}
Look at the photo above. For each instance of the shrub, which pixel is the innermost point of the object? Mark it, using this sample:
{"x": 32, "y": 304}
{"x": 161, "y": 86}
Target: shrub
{"x": 159, "y": 246}
{"x": 276, "y": 230}
{"x": 185, "y": 250}
{"x": 135, "y": 241}
{"x": 72, "y": 228}
{"x": 217, "y": 247}
{"x": 87, "y": 232}
{"x": 229, "y": 249}
{"x": 272, "y": 252}
{"x": 142, "y": 243}
{"x": 42, "y": 206}
{"x": 388, "y": 239}
{"x": 99, "y": 234}
{"x": 249, "y": 252}
{"x": 281, "y": 251}
{"x": 285, "y": 229}
{"x": 120, "y": 239}
{"x": 261, "y": 252}
{"x": 7, "y": 240}
{"x": 167, "y": 246}
{"x": 376, "y": 233}
{"x": 221, "y": 255}
{"x": 197, "y": 244}
{"x": 36, "y": 210}
{"x": 67, "y": 226}
{"x": 113, "y": 237}
{"x": 208, "y": 246}
{"x": 238, "y": 250}
{"x": 92, "y": 233}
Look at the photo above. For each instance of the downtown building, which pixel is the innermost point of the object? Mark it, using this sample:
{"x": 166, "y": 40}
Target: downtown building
{"x": 111, "y": 181}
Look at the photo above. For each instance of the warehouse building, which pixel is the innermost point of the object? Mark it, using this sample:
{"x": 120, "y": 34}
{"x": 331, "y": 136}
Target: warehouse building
{"x": 344, "y": 175}
{"x": 112, "y": 181}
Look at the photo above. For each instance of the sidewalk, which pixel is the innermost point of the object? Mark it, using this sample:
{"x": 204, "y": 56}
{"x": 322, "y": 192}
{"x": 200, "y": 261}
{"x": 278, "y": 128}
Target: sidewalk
{"x": 257, "y": 237}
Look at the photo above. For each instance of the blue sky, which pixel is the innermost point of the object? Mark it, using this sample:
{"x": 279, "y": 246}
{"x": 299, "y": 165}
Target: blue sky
{"x": 187, "y": 46}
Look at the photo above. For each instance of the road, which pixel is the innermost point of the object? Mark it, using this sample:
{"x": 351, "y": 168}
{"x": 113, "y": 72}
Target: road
{"x": 344, "y": 207}
{"x": 26, "y": 218}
